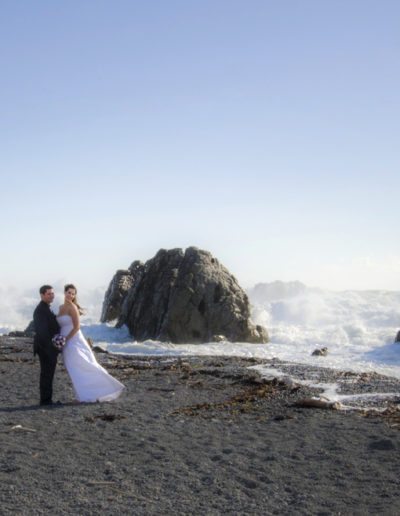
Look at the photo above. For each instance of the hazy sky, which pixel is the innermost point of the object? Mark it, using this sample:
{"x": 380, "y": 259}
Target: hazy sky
{"x": 264, "y": 131}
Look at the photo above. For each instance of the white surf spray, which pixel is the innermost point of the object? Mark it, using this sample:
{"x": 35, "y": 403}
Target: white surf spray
{"x": 357, "y": 327}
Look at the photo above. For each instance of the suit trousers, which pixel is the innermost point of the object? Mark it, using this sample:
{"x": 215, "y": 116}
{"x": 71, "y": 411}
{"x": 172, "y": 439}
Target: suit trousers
{"x": 48, "y": 363}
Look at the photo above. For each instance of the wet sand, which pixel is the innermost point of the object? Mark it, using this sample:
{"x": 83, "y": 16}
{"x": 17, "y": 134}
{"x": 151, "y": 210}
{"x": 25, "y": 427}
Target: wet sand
{"x": 192, "y": 436}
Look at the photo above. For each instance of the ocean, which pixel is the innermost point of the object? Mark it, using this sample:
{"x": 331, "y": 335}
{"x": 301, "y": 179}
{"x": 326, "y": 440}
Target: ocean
{"x": 357, "y": 327}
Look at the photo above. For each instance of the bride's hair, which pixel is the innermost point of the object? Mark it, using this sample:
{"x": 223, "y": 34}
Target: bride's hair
{"x": 75, "y": 301}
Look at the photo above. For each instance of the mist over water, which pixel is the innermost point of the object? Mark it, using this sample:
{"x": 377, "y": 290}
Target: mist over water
{"x": 357, "y": 327}
{"x": 17, "y": 305}
{"x": 324, "y": 316}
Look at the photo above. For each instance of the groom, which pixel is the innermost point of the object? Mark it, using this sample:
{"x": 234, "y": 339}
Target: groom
{"x": 46, "y": 326}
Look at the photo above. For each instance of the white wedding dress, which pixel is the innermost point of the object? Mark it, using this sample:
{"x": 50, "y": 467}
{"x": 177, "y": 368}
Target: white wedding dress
{"x": 91, "y": 382}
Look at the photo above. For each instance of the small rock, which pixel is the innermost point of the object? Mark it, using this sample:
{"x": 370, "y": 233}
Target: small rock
{"x": 382, "y": 444}
{"x": 99, "y": 349}
{"x": 320, "y": 352}
{"x": 218, "y": 338}
{"x": 16, "y": 333}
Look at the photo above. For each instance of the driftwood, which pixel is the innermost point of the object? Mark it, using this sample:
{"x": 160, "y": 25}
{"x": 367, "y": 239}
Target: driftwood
{"x": 20, "y": 428}
{"x": 318, "y": 403}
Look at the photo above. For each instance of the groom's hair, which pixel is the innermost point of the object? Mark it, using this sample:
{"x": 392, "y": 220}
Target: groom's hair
{"x": 43, "y": 289}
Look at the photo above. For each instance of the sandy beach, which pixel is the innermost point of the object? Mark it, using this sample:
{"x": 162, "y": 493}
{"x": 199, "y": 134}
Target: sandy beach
{"x": 191, "y": 436}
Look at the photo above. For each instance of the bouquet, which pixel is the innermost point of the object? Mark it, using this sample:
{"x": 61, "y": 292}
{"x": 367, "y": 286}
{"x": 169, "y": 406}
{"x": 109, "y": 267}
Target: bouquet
{"x": 58, "y": 342}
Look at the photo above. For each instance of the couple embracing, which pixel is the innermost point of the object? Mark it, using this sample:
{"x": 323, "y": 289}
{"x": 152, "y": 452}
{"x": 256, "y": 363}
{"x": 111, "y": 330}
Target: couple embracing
{"x": 90, "y": 381}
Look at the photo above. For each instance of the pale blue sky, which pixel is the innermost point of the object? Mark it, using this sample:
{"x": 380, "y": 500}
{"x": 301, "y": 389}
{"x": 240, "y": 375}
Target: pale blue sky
{"x": 264, "y": 131}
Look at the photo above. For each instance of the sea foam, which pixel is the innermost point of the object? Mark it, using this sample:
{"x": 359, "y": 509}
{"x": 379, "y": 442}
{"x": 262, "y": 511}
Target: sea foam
{"x": 357, "y": 327}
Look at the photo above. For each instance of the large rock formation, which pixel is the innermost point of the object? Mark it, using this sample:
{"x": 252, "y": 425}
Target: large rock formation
{"x": 116, "y": 293}
{"x": 181, "y": 297}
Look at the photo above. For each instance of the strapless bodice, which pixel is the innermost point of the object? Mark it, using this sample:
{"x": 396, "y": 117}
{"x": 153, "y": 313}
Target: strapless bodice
{"x": 64, "y": 319}
{"x": 66, "y": 324}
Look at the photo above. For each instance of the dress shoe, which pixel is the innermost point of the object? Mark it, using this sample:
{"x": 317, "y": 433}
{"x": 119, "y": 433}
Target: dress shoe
{"x": 47, "y": 402}
{"x": 51, "y": 403}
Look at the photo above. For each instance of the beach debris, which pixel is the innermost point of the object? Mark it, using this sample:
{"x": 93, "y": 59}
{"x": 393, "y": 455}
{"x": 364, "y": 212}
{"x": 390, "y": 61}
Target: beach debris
{"x": 125, "y": 369}
{"x": 17, "y": 359}
{"x": 288, "y": 382}
{"x": 101, "y": 483}
{"x": 245, "y": 401}
{"x": 197, "y": 384}
{"x": 320, "y": 352}
{"x": 318, "y": 403}
{"x": 367, "y": 377}
{"x": 104, "y": 417}
{"x": 161, "y": 389}
{"x": 6, "y": 349}
{"x": 20, "y": 428}
{"x": 111, "y": 484}
{"x": 130, "y": 365}
{"x": 180, "y": 366}
{"x": 185, "y": 366}
{"x": 283, "y": 417}
{"x": 391, "y": 414}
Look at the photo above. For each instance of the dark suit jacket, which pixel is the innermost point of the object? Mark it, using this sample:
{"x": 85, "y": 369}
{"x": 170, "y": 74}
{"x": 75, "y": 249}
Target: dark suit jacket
{"x": 46, "y": 326}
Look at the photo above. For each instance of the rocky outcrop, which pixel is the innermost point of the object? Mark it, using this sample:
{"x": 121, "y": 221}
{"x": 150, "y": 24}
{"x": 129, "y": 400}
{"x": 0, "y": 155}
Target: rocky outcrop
{"x": 181, "y": 297}
{"x": 28, "y": 332}
{"x": 116, "y": 293}
{"x": 397, "y": 339}
{"x": 30, "y": 329}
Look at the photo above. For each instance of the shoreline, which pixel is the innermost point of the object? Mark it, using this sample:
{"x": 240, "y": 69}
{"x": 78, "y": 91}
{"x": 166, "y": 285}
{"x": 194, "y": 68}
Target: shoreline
{"x": 193, "y": 435}
{"x": 355, "y": 389}
{"x": 383, "y": 358}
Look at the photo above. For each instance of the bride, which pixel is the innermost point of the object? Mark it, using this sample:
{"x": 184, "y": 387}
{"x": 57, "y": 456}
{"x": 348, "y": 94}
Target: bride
{"x": 91, "y": 382}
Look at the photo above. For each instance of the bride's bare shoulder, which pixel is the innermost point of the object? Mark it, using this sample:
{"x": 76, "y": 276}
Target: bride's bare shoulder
{"x": 73, "y": 310}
